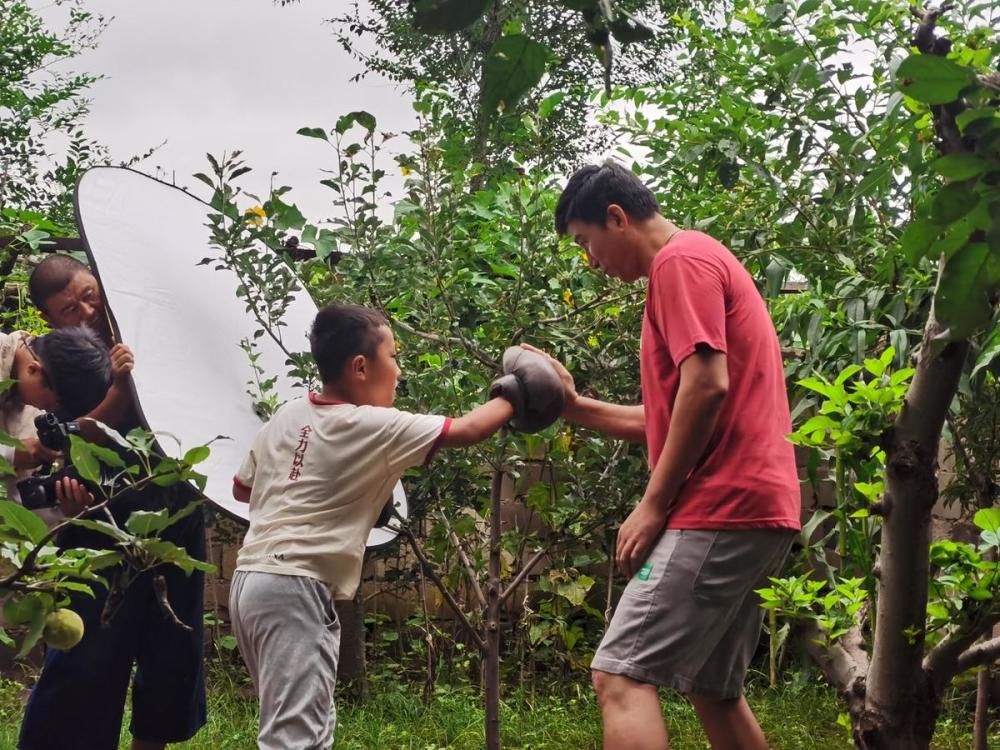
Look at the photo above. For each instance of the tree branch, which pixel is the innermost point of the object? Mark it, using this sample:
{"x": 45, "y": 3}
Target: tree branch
{"x": 522, "y": 574}
{"x": 445, "y": 592}
{"x": 470, "y": 570}
{"x": 844, "y": 662}
{"x": 978, "y": 655}
{"x": 945, "y": 660}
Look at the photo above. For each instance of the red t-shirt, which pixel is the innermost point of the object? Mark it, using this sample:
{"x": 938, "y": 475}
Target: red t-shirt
{"x": 699, "y": 293}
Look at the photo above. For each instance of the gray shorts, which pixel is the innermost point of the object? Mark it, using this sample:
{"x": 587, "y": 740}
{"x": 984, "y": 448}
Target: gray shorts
{"x": 289, "y": 639}
{"x": 689, "y": 619}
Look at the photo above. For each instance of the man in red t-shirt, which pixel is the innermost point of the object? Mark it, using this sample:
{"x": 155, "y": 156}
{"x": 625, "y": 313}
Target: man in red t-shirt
{"x": 721, "y": 507}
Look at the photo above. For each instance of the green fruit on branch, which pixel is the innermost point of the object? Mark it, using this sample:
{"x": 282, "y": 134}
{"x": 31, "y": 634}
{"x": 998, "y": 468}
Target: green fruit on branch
{"x": 63, "y": 629}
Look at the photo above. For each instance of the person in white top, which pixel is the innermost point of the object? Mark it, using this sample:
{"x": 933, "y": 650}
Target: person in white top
{"x": 317, "y": 476}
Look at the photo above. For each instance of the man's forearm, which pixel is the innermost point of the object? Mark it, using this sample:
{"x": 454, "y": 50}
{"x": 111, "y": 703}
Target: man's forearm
{"x": 692, "y": 423}
{"x": 615, "y": 420}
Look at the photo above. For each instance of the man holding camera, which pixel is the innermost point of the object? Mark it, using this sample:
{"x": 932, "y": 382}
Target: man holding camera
{"x": 86, "y": 686}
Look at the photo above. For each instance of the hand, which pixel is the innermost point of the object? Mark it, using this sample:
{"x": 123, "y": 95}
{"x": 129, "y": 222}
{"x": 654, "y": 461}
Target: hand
{"x": 569, "y": 386}
{"x": 73, "y": 497}
{"x": 122, "y": 363}
{"x": 34, "y": 454}
{"x": 637, "y": 535}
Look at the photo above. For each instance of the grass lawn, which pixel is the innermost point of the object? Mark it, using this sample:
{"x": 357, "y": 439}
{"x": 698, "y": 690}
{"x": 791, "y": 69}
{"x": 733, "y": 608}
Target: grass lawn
{"x": 795, "y": 717}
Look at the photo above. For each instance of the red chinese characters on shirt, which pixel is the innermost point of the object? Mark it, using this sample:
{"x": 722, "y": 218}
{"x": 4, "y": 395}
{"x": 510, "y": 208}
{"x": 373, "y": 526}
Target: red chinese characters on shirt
{"x": 300, "y": 453}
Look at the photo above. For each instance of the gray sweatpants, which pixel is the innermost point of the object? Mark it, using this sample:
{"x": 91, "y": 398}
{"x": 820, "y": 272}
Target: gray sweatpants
{"x": 289, "y": 638}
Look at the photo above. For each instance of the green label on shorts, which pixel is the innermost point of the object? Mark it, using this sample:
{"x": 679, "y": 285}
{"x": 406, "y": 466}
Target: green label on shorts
{"x": 644, "y": 571}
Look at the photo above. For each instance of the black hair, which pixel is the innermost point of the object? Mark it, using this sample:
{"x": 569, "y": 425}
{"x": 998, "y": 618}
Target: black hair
{"x": 50, "y": 277}
{"x": 341, "y": 332}
{"x": 593, "y": 188}
{"x": 78, "y": 368}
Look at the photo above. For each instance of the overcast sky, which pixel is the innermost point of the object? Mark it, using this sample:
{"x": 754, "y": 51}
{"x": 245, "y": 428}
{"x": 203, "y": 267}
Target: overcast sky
{"x": 214, "y": 75}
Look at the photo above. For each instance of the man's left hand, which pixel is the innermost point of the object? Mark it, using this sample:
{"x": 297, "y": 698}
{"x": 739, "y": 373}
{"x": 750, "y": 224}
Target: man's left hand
{"x": 637, "y": 535}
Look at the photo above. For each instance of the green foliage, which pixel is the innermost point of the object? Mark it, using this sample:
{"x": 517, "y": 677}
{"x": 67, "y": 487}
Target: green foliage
{"x": 41, "y": 103}
{"x": 801, "y": 715}
{"x": 452, "y": 46}
{"x": 37, "y": 573}
{"x": 436, "y": 16}
{"x": 513, "y": 66}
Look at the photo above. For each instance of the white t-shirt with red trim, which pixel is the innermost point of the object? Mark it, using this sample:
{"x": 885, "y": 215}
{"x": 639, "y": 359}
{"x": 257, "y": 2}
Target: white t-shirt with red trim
{"x": 319, "y": 474}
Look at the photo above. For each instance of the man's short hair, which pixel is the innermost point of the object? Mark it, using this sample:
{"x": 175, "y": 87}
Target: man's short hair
{"x": 341, "y": 332}
{"x": 593, "y": 188}
{"x": 77, "y": 366}
{"x": 51, "y": 276}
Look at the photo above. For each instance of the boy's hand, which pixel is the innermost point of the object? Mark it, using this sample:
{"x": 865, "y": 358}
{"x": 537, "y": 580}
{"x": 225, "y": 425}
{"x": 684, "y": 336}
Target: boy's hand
{"x": 122, "y": 363}
{"x": 35, "y": 453}
{"x": 569, "y": 385}
{"x": 73, "y": 497}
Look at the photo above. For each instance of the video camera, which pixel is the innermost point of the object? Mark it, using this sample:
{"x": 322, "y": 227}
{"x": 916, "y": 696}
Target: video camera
{"x": 39, "y": 490}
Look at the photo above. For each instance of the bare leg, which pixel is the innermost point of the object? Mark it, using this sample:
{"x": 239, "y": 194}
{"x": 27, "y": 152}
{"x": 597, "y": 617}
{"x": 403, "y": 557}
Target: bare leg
{"x": 631, "y": 713}
{"x": 729, "y": 723}
{"x": 146, "y": 745}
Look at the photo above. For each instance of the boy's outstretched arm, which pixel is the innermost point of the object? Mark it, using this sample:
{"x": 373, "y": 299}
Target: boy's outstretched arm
{"x": 478, "y": 424}
{"x": 615, "y": 420}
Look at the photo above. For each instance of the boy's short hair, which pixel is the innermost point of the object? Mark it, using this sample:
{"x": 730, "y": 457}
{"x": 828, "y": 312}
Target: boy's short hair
{"x": 340, "y": 332}
{"x": 51, "y": 276}
{"x": 77, "y": 366}
{"x": 593, "y": 188}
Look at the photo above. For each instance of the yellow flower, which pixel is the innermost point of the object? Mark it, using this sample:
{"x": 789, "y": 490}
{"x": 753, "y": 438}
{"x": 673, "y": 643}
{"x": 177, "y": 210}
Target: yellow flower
{"x": 567, "y": 296}
{"x": 584, "y": 257}
{"x": 593, "y": 342}
{"x": 255, "y": 216}
{"x": 405, "y": 170}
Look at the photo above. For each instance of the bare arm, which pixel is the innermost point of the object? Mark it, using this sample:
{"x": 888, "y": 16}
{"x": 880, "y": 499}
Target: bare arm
{"x": 615, "y": 420}
{"x": 702, "y": 392}
{"x": 478, "y": 424}
{"x": 241, "y": 493}
{"x": 117, "y": 404}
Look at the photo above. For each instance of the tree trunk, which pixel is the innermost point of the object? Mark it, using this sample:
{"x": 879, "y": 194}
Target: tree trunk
{"x": 492, "y": 661}
{"x": 353, "y": 664}
{"x": 901, "y": 706}
{"x": 981, "y": 723}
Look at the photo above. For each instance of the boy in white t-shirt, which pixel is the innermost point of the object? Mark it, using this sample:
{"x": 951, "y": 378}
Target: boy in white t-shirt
{"x": 317, "y": 477}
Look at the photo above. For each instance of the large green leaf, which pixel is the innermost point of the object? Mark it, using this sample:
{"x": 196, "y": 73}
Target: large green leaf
{"x": 147, "y": 523}
{"x": 953, "y": 202}
{"x": 961, "y": 303}
{"x": 445, "y": 16}
{"x": 988, "y": 519}
{"x": 82, "y": 455}
{"x": 989, "y": 354}
{"x": 23, "y": 522}
{"x": 171, "y": 553}
{"x": 932, "y": 79}
{"x": 917, "y": 239}
{"x": 960, "y": 166}
{"x": 362, "y": 118}
{"x": 513, "y": 66}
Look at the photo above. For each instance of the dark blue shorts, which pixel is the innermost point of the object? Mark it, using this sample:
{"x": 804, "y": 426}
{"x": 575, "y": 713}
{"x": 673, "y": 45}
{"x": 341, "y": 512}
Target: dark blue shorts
{"x": 79, "y": 699}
